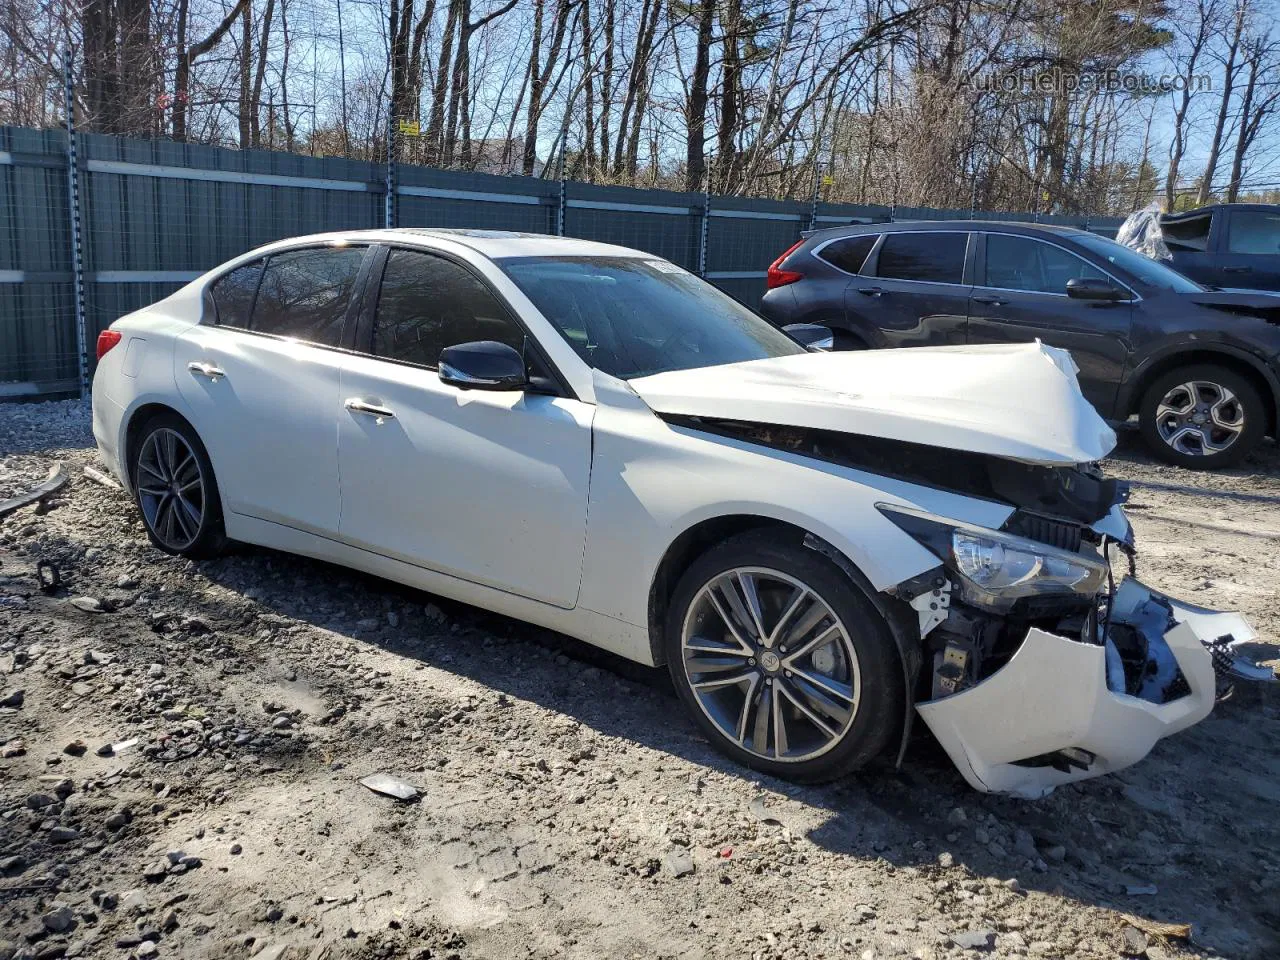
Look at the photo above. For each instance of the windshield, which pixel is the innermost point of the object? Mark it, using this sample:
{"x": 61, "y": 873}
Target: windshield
{"x": 1151, "y": 272}
{"x": 632, "y": 317}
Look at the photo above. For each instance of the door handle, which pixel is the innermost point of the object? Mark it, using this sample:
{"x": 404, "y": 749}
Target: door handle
{"x": 871, "y": 291}
{"x": 994, "y": 301}
{"x": 1237, "y": 269}
{"x": 202, "y": 368}
{"x": 356, "y": 405}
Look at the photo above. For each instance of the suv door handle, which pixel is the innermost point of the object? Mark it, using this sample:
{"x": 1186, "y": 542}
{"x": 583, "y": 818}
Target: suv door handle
{"x": 994, "y": 301}
{"x": 871, "y": 291}
{"x": 356, "y": 405}
{"x": 204, "y": 368}
{"x": 1237, "y": 269}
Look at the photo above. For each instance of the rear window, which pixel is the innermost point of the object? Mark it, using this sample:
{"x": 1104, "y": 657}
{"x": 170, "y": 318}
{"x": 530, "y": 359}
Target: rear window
{"x": 926, "y": 257}
{"x": 848, "y": 254}
{"x": 304, "y": 294}
{"x": 233, "y": 295}
{"x": 1254, "y": 232}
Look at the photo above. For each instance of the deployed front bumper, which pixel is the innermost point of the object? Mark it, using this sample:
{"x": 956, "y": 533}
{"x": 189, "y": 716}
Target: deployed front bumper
{"x": 1049, "y": 715}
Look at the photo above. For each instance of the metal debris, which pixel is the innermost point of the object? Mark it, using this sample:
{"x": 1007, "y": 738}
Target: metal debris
{"x": 97, "y": 476}
{"x": 56, "y": 480}
{"x": 48, "y": 576}
{"x": 391, "y": 786}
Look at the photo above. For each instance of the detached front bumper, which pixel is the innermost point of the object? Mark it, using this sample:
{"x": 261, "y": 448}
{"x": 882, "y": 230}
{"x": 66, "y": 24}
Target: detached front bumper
{"x": 1049, "y": 716}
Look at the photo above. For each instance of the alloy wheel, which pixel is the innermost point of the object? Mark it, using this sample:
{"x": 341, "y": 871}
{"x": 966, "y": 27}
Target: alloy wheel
{"x": 1200, "y": 418}
{"x": 770, "y": 664}
{"x": 171, "y": 488}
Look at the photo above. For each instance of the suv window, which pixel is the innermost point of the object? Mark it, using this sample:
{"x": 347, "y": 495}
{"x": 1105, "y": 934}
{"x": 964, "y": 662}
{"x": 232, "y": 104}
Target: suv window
{"x": 1192, "y": 234}
{"x": 428, "y": 303}
{"x": 304, "y": 293}
{"x": 930, "y": 257}
{"x": 1021, "y": 263}
{"x": 233, "y": 295}
{"x": 849, "y": 253}
{"x": 1254, "y": 232}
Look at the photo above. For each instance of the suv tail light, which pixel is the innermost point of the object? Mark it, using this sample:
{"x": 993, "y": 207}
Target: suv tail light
{"x": 106, "y": 340}
{"x": 778, "y": 277}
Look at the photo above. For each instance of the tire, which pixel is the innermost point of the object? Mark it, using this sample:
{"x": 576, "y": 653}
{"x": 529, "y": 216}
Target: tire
{"x": 851, "y": 683}
{"x": 1234, "y": 423}
{"x": 843, "y": 340}
{"x": 182, "y": 513}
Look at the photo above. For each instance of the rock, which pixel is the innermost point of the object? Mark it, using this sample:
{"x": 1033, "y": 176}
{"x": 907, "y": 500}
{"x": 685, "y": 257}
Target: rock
{"x": 147, "y": 948}
{"x": 1141, "y": 890}
{"x": 13, "y": 698}
{"x": 679, "y": 863}
{"x": 1056, "y": 853}
{"x": 862, "y": 914}
{"x": 126, "y": 582}
{"x": 156, "y": 872}
{"x": 38, "y": 801}
{"x": 64, "y": 835}
{"x": 236, "y": 849}
{"x": 975, "y": 939}
{"x": 75, "y": 748}
{"x": 134, "y": 902}
{"x": 60, "y": 919}
{"x": 1013, "y": 886}
{"x": 1133, "y": 942}
{"x": 946, "y": 860}
{"x": 88, "y": 604}
{"x": 117, "y": 821}
{"x": 155, "y": 671}
{"x": 12, "y": 866}
{"x": 957, "y": 816}
{"x": 997, "y": 850}
{"x": 64, "y": 788}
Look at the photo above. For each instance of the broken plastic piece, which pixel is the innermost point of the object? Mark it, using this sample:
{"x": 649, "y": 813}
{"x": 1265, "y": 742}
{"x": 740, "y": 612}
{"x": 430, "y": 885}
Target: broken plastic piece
{"x": 391, "y": 786}
{"x": 52, "y": 484}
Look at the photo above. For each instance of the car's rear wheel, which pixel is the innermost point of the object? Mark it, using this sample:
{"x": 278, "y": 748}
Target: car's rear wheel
{"x": 1202, "y": 416}
{"x": 783, "y": 662}
{"x": 176, "y": 490}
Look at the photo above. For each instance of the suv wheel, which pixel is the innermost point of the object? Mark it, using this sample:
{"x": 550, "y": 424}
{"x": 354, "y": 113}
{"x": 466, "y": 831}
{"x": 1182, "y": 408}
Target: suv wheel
{"x": 1202, "y": 417}
{"x": 782, "y": 661}
{"x": 175, "y": 489}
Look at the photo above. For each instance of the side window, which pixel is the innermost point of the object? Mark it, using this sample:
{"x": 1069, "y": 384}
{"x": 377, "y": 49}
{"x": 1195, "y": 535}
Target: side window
{"x": 931, "y": 257}
{"x": 849, "y": 253}
{"x": 1254, "y": 232}
{"x": 304, "y": 293}
{"x": 1192, "y": 234}
{"x": 233, "y": 295}
{"x": 1021, "y": 263}
{"x": 428, "y": 303}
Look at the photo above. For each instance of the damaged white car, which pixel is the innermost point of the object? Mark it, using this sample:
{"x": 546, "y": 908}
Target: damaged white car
{"x": 819, "y": 546}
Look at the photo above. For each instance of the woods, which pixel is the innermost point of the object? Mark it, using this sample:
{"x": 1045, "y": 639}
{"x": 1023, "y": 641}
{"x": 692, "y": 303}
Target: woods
{"x": 1029, "y": 105}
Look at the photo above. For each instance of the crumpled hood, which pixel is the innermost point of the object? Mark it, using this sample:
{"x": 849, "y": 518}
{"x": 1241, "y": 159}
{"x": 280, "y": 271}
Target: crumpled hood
{"x": 1019, "y": 401}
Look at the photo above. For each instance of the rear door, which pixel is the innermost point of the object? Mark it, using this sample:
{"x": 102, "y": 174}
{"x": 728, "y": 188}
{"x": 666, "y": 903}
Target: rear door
{"x": 1250, "y": 257}
{"x": 260, "y": 379}
{"x": 1022, "y": 296}
{"x": 913, "y": 291}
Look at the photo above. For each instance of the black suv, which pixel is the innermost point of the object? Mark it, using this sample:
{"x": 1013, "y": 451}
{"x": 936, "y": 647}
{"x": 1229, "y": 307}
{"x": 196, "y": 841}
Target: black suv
{"x": 1200, "y": 368}
{"x": 1234, "y": 245}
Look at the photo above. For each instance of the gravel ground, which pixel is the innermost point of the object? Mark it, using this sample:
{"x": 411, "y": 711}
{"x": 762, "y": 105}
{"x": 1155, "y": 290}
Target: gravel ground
{"x": 568, "y": 809}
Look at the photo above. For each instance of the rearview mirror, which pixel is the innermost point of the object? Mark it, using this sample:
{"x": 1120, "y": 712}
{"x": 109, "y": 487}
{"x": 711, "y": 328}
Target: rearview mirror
{"x": 812, "y": 336}
{"x": 1092, "y": 288}
{"x": 483, "y": 365}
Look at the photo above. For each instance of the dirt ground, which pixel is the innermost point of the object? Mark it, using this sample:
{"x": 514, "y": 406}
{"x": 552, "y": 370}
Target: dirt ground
{"x": 568, "y": 808}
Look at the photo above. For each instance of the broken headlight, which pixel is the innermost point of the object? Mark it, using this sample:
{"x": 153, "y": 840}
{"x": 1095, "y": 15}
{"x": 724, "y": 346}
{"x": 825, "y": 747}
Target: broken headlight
{"x": 997, "y": 570}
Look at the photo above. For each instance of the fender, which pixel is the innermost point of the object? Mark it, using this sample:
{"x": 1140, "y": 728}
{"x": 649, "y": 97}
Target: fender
{"x": 1128, "y": 397}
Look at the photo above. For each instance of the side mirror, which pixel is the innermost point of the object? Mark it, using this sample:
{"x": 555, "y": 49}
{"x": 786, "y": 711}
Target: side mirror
{"x": 483, "y": 365}
{"x": 812, "y": 336}
{"x": 1091, "y": 288}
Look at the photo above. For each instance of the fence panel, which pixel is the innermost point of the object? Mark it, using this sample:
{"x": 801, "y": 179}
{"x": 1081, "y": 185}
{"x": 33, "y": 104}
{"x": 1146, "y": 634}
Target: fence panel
{"x": 157, "y": 214}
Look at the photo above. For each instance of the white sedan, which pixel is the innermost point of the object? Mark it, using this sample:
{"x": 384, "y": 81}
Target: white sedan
{"x": 819, "y": 546}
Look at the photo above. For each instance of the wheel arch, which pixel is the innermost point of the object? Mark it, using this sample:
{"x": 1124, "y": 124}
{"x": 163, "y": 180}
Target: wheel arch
{"x": 134, "y": 424}
{"x": 1239, "y": 361}
{"x": 701, "y": 536}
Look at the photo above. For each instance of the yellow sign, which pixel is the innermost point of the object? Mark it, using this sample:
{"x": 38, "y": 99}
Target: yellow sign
{"x": 828, "y": 181}
{"x": 409, "y": 128}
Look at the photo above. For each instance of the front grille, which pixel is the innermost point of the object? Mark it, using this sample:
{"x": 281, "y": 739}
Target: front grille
{"x": 1056, "y": 533}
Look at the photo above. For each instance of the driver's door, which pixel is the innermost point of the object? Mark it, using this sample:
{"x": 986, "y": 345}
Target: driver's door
{"x": 487, "y": 486}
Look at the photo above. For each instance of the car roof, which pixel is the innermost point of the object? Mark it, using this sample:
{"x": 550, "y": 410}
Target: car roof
{"x": 494, "y": 244}
{"x": 910, "y": 226}
{"x": 1214, "y": 207}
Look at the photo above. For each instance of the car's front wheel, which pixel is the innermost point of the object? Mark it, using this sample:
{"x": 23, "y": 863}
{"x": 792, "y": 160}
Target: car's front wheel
{"x": 783, "y": 662}
{"x": 175, "y": 489}
{"x": 1202, "y": 416}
